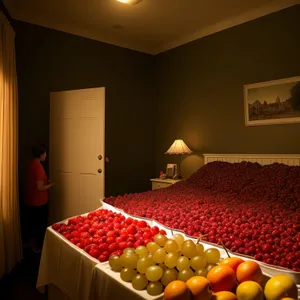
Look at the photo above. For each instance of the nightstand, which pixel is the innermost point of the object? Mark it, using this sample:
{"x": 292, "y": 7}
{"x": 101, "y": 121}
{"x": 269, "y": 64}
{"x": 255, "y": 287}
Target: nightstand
{"x": 158, "y": 183}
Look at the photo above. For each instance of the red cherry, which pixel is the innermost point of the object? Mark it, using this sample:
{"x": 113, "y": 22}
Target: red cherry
{"x": 155, "y": 230}
{"x": 110, "y": 233}
{"x": 122, "y": 245}
{"x": 129, "y": 221}
{"x": 94, "y": 252}
{"x": 102, "y": 258}
{"x": 129, "y": 245}
{"x": 142, "y": 224}
{"x": 147, "y": 235}
{"x": 113, "y": 247}
{"x": 131, "y": 229}
{"x": 110, "y": 240}
{"x": 103, "y": 247}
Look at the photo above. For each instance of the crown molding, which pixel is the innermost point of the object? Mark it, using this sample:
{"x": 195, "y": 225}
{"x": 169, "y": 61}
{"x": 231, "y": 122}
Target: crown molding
{"x": 226, "y": 24}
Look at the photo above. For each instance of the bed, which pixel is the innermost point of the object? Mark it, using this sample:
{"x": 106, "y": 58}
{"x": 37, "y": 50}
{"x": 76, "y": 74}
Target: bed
{"x": 249, "y": 203}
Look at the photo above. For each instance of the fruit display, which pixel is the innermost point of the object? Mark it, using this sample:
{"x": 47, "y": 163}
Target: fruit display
{"x": 153, "y": 266}
{"x": 103, "y": 232}
{"x": 169, "y": 265}
{"x": 252, "y": 209}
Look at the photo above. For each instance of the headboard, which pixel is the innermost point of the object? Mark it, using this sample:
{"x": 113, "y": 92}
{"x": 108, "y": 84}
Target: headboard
{"x": 263, "y": 159}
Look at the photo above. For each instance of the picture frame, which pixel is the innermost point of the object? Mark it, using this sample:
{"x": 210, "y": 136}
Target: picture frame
{"x": 272, "y": 102}
{"x": 171, "y": 171}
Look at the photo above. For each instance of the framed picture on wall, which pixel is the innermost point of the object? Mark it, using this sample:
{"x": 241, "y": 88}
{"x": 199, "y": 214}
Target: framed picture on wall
{"x": 272, "y": 102}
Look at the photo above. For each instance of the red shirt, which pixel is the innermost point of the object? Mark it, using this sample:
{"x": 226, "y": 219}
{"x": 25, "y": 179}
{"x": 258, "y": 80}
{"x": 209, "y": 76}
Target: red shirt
{"x": 35, "y": 172}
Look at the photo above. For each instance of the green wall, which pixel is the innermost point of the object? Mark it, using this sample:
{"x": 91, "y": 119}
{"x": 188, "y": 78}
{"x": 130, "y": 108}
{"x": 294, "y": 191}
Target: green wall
{"x": 193, "y": 92}
{"x": 200, "y": 89}
{"x": 49, "y": 60}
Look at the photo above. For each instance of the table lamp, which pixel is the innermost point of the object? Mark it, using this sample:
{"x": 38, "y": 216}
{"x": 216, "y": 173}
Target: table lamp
{"x": 179, "y": 147}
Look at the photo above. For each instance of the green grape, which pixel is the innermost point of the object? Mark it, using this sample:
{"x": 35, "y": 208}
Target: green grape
{"x": 212, "y": 255}
{"x": 160, "y": 239}
{"x": 179, "y": 239}
{"x": 115, "y": 263}
{"x": 129, "y": 260}
{"x": 185, "y": 275}
{"x": 141, "y": 251}
{"x": 154, "y": 288}
{"x": 201, "y": 272}
{"x": 171, "y": 260}
{"x": 182, "y": 263}
{"x": 154, "y": 273}
{"x": 210, "y": 266}
{"x": 143, "y": 263}
{"x": 169, "y": 275}
{"x": 163, "y": 266}
{"x": 198, "y": 262}
{"x": 159, "y": 255}
{"x": 189, "y": 249}
{"x": 129, "y": 250}
{"x": 152, "y": 247}
{"x": 187, "y": 242}
{"x": 127, "y": 274}
{"x": 150, "y": 256}
{"x": 171, "y": 246}
{"x": 139, "y": 282}
{"x": 200, "y": 249}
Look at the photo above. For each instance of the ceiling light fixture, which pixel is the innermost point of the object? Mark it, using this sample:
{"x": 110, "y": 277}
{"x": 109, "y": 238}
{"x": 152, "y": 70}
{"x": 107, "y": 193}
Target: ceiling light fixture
{"x": 131, "y": 2}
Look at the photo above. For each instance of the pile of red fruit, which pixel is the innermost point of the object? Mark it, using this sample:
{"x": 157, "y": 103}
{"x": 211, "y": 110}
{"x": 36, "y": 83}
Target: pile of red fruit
{"x": 251, "y": 209}
{"x": 103, "y": 232}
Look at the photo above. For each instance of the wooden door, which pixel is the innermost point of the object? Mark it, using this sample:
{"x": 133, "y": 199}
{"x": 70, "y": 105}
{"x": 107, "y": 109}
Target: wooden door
{"x": 77, "y": 130}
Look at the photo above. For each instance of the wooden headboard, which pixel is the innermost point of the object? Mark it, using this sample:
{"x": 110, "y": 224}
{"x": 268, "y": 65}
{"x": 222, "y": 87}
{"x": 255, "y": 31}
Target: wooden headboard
{"x": 263, "y": 159}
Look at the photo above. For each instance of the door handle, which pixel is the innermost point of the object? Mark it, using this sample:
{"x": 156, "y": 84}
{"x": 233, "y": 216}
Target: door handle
{"x": 99, "y": 157}
{"x": 99, "y": 171}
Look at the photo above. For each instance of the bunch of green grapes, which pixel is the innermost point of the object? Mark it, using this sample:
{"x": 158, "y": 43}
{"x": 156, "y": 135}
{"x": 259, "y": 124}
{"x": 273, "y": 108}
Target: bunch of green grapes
{"x": 162, "y": 261}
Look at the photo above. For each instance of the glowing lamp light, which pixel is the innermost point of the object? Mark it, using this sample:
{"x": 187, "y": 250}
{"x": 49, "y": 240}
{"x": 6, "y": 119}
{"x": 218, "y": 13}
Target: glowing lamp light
{"x": 131, "y": 2}
{"x": 179, "y": 147}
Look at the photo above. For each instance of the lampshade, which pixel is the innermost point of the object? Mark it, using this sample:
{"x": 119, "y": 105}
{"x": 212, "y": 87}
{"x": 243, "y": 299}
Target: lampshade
{"x": 179, "y": 147}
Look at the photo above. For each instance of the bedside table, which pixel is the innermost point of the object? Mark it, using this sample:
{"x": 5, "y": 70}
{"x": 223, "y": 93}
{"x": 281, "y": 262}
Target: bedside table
{"x": 158, "y": 183}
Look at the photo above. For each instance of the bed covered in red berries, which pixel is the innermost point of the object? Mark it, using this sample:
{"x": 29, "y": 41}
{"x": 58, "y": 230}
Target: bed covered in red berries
{"x": 253, "y": 210}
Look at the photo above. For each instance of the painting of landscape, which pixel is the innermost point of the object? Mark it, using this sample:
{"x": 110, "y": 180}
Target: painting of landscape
{"x": 273, "y": 102}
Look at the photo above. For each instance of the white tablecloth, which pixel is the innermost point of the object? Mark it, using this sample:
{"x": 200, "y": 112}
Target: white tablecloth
{"x": 67, "y": 267}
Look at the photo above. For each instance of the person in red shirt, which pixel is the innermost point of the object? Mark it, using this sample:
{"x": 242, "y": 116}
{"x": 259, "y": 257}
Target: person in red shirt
{"x": 36, "y": 197}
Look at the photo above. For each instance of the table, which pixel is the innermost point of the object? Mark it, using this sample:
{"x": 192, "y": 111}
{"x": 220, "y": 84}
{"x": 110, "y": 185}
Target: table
{"x": 72, "y": 274}
{"x": 66, "y": 267}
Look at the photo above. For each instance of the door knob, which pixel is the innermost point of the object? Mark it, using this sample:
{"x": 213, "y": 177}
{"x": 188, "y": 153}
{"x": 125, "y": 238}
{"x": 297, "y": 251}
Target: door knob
{"x": 99, "y": 171}
{"x": 99, "y": 157}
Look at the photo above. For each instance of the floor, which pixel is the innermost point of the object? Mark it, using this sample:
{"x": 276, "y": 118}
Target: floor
{"x": 20, "y": 284}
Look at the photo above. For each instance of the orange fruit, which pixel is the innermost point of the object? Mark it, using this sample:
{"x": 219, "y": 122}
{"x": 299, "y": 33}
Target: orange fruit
{"x": 222, "y": 278}
{"x": 200, "y": 288}
{"x": 250, "y": 290}
{"x": 232, "y": 262}
{"x": 177, "y": 290}
{"x": 280, "y": 286}
{"x": 224, "y": 295}
{"x": 249, "y": 270}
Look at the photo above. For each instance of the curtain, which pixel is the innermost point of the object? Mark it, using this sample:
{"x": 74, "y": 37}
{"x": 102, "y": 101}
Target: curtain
{"x": 10, "y": 235}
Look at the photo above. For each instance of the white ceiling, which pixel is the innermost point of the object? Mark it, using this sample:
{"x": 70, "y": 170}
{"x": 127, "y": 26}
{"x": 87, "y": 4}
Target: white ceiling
{"x": 152, "y": 26}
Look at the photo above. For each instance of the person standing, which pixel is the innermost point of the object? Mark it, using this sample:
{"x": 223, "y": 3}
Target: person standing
{"x": 37, "y": 189}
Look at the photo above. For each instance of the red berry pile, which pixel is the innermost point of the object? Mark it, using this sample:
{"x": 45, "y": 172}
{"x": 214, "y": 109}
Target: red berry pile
{"x": 251, "y": 209}
{"x": 103, "y": 232}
